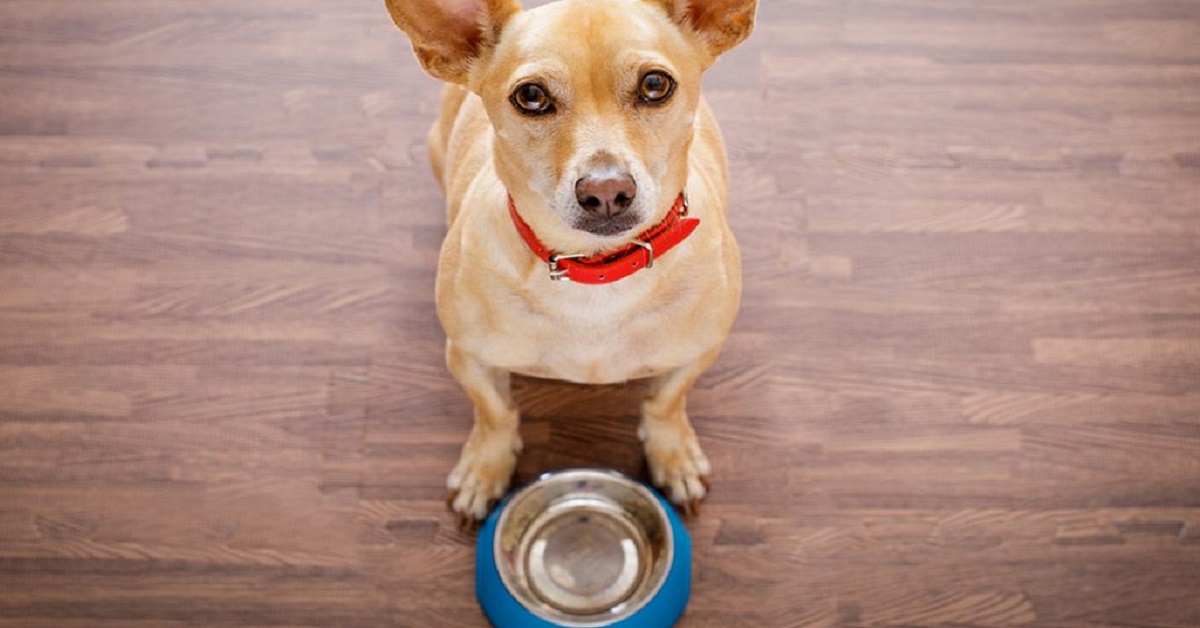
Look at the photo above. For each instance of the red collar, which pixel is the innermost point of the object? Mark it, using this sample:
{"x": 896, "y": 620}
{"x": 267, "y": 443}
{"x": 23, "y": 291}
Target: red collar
{"x": 614, "y": 265}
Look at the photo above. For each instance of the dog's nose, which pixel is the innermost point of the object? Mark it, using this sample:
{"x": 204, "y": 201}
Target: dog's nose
{"x": 606, "y": 195}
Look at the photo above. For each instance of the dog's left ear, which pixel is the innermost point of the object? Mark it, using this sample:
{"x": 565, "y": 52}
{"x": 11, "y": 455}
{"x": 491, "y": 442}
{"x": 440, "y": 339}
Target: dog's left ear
{"x": 449, "y": 36}
{"x": 721, "y": 24}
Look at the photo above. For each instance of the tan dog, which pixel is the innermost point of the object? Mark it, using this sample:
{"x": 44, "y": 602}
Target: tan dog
{"x": 581, "y": 120}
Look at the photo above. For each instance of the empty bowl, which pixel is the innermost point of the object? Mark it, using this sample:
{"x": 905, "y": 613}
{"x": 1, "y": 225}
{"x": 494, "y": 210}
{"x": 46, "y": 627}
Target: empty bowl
{"x": 583, "y": 548}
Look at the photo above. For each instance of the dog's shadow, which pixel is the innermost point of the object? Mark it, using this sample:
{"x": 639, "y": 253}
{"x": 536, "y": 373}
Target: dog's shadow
{"x": 567, "y": 425}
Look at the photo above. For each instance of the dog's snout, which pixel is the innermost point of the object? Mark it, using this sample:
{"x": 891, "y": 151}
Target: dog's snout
{"x": 606, "y": 195}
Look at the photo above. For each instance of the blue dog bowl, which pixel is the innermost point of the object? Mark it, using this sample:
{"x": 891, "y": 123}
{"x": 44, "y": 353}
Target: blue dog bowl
{"x": 583, "y": 548}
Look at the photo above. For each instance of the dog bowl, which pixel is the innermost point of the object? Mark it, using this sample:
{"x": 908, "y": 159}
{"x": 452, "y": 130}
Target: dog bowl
{"x": 583, "y": 548}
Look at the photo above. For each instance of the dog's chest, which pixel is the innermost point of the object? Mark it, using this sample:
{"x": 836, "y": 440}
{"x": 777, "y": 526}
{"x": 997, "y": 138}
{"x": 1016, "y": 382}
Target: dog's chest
{"x": 597, "y": 334}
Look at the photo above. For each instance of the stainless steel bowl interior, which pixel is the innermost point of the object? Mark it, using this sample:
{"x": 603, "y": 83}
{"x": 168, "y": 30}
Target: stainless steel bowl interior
{"x": 583, "y": 547}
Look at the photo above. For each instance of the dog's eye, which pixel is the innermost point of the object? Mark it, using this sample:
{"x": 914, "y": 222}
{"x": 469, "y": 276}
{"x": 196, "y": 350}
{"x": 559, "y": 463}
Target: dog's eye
{"x": 656, "y": 87}
{"x": 532, "y": 99}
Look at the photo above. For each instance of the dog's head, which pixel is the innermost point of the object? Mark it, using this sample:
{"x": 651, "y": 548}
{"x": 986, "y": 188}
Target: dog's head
{"x": 593, "y": 102}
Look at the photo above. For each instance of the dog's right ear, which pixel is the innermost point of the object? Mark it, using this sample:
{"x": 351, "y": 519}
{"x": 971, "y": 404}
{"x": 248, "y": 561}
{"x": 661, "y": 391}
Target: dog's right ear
{"x": 448, "y": 36}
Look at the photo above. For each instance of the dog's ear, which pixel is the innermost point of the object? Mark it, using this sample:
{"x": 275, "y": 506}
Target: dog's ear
{"x": 721, "y": 24}
{"x": 448, "y": 36}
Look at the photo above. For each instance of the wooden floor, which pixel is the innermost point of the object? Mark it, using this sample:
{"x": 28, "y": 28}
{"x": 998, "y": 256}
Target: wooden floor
{"x": 964, "y": 389}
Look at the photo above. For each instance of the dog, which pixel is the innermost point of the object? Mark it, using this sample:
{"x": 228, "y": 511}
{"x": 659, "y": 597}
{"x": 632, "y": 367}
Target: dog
{"x": 585, "y": 181}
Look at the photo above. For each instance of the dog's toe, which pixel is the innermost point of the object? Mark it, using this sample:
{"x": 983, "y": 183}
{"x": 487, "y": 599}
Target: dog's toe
{"x": 465, "y": 518}
{"x": 466, "y": 522}
{"x": 474, "y": 498}
{"x": 687, "y": 490}
{"x": 691, "y": 508}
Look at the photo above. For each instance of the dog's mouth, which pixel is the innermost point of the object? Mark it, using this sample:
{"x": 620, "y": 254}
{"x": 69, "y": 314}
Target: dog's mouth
{"x": 606, "y": 225}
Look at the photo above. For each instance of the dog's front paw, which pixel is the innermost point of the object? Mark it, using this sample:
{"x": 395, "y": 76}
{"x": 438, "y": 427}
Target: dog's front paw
{"x": 677, "y": 465}
{"x": 482, "y": 474}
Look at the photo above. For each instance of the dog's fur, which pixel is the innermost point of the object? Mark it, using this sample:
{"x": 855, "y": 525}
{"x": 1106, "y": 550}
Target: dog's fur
{"x": 501, "y": 312}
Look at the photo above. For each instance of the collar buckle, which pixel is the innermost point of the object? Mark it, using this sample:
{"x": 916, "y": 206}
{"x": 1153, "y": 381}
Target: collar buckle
{"x": 558, "y": 273}
{"x": 649, "y": 252}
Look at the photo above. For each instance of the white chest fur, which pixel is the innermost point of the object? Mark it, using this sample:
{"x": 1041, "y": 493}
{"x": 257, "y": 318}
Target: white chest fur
{"x": 599, "y": 334}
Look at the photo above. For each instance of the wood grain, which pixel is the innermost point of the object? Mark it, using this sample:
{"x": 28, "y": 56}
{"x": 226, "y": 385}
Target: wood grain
{"x": 964, "y": 389}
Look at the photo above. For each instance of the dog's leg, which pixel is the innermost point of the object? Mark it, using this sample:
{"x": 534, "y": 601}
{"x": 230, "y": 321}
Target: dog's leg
{"x": 490, "y": 453}
{"x": 439, "y": 135}
{"x": 672, "y": 450}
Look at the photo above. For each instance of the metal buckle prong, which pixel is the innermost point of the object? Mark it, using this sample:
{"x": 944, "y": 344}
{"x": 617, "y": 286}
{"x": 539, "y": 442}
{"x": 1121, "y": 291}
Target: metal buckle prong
{"x": 649, "y": 249}
{"x": 558, "y": 273}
